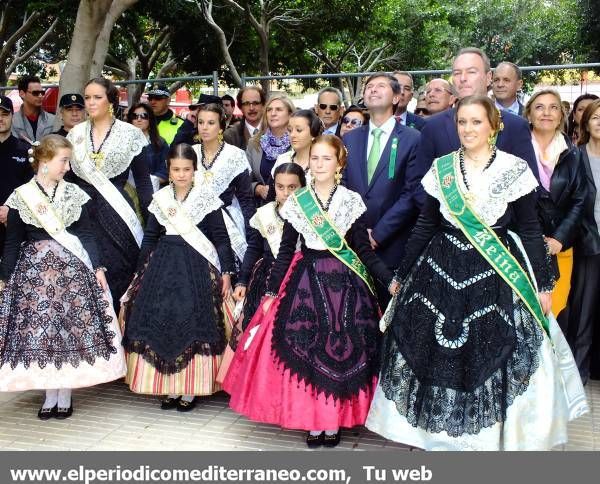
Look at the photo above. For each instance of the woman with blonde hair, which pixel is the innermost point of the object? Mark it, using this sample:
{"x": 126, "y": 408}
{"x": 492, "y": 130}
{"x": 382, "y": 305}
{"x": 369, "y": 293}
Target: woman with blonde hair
{"x": 271, "y": 141}
{"x": 562, "y": 193}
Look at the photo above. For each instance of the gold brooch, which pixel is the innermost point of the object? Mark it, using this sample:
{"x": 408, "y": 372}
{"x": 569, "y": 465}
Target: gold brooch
{"x": 318, "y": 220}
{"x": 270, "y": 229}
{"x": 41, "y": 209}
{"x": 208, "y": 176}
{"x": 447, "y": 181}
{"x": 172, "y": 211}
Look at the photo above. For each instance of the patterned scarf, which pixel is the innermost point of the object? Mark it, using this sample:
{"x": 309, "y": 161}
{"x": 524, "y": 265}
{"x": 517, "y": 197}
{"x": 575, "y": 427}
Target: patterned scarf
{"x": 274, "y": 146}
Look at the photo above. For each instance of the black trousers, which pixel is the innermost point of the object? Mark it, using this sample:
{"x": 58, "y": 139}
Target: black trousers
{"x": 580, "y": 321}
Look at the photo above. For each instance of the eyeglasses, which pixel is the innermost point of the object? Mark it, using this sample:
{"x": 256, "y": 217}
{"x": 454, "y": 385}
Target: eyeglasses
{"x": 354, "y": 122}
{"x": 332, "y": 107}
{"x": 152, "y": 97}
{"x": 251, "y": 103}
{"x": 37, "y": 93}
{"x": 423, "y": 111}
{"x": 139, "y": 116}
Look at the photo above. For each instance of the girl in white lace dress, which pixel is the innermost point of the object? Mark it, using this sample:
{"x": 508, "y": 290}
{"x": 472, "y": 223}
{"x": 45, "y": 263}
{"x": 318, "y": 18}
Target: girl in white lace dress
{"x": 58, "y": 329}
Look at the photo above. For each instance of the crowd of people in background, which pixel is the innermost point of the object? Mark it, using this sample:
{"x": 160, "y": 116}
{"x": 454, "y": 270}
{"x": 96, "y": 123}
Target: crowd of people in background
{"x": 327, "y": 267}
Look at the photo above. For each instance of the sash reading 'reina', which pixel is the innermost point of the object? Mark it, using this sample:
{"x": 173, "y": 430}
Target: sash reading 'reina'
{"x": 485, "y": 240}
{"x": 324, "y": 228}
{"x": 44, "y": 212}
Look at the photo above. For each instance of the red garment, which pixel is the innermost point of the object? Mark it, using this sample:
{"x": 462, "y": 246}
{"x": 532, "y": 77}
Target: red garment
{"x": 265, "y": 392}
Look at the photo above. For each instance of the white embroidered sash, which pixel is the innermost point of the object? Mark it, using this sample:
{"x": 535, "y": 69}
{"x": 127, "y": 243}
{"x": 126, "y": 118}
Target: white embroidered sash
{"x": 180, "y": 222}
{"x": 109, "y": 192}
{"x": 269, "y": 225}
{"x": 237, "y": 237}
{"x": 44, "y": 212}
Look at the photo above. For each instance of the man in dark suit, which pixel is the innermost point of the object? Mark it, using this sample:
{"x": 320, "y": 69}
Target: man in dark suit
{"x": 381, "y": 167}
{"x": 471, "y": 74}
{"x": 507, "y": 81}
{"x": 251, "y": 100}
{"x": 405, "y": 117}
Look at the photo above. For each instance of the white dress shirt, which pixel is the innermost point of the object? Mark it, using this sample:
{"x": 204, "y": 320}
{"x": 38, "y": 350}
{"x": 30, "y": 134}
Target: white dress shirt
{"x": 513, "y": 108}
{"x": 388, "y": 129}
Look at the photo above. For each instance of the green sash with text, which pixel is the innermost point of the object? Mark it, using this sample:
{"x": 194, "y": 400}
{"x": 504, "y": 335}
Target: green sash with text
{"x": 335, "y": 243}
{"x": 485, "y": 240}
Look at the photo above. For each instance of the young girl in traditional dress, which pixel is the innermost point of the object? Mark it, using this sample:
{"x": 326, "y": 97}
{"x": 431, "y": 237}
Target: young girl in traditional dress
{"x": 311, "y": 361}
{"x": 174, "y": 322}
{"x": 58, "y": 330}
{"x": 470, "y": 361}
{"x": 259, "y": 258}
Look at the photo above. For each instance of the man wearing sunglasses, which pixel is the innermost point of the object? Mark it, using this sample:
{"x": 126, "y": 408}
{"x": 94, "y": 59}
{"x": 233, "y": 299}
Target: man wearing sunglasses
{"x": 329, "y": 108}
{"x": 159, "y": 99}
{"x": 32, "y": 123}
{"x": 72, "y": 112}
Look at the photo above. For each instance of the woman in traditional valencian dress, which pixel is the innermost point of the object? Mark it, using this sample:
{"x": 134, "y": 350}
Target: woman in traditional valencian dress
{"x": 470, "y": 359}
{"x": 252, "y": 279}
{"x": 175, "y": 330}
{"x": 311, "y": 361}
{"x": 58, "y": 330}
{"x": 225, "y": 167}
{"x": 104, "y": 150}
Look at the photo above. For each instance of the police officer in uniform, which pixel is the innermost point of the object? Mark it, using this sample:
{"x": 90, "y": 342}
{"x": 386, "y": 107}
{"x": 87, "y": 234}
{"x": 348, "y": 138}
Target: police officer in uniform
{"x": 72, "y": 111}
{"x": 15, "y": 169}
{"x": 159, "y": 99}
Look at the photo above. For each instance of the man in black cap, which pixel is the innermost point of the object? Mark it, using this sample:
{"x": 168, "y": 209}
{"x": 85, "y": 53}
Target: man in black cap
{"x": 15, "y": 169}
{"x": 159, "y": 99}
{"x": 72, "y": 112}
{"x": 189, "y": 128}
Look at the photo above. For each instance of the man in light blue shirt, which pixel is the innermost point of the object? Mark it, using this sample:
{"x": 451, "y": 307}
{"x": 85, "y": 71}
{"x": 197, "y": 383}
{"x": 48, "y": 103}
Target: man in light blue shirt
{"x": 329, "y": 108}
{"x": 506, "y": 83}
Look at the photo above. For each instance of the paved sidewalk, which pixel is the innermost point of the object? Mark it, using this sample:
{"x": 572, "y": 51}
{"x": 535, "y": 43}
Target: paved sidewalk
{"x": 110, "y": 417}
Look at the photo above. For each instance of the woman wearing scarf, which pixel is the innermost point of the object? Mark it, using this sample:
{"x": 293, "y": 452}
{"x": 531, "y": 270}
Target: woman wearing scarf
{"x": 271, "y": 141}
{"x": 562, "y": 193}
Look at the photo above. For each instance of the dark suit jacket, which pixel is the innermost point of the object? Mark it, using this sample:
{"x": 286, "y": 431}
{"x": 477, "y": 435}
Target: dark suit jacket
{"x": 440, "y": 137}
{"x": 237, "y": 135}
{"x": 391, "y": 212}
{"x": 414, "y": 121}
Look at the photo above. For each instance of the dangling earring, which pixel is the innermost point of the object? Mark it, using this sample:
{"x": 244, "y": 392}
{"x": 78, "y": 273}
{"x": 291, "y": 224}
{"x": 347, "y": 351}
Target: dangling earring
{"x": 220, "y": 137}
{"x": 45, "y": 169}
{"x": 338, "y": 176}
{"x": 491, "y": 140}
{"x": 111, "y": 111}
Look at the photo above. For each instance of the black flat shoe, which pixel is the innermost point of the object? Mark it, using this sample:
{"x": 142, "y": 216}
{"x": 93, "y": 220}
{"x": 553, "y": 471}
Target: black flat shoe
{"x": 63, "y": 413}
{"x": 332, "y": 440}
{"x": 47, "y": 413}
{"x": 185, "y": 406}
{"x": 168, "y": 403}
{"x": 314, "y": 441}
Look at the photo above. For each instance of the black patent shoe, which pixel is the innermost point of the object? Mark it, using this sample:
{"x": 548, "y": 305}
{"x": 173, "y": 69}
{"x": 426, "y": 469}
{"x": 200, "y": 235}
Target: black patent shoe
{"x": 47, "y": 413}
{"x": 185, "y": 406}
{"x": 63, "y": 412}
{"x": 332, "y": 440}
{"x": 314, "y": 441}
{"x": 169, "y": 402}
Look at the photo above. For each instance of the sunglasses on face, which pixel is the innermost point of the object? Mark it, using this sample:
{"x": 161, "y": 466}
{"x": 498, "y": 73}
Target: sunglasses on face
{"x": 139, "y": 116}
{"x": 354, "y": 122}
{"x": 251, "y": 103}
{"x": 421, "y": 111}
{"x": 37, "y": 93}
{"x": 332, "y": 107}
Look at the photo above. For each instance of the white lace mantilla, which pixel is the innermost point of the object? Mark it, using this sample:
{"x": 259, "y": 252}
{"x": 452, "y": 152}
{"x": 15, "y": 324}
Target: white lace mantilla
{"x": 67, "y": 204}
{"x": 200, "y": 202}
{"x": 346, "y": 206}
{"x": 507, "y": 179}
{"x": 122, "y": 145}
{"x": 230, "y": 163}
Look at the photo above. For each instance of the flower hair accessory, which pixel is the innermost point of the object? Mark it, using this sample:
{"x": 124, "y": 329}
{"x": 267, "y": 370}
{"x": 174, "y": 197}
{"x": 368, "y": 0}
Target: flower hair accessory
{"x": 30, "y": 151}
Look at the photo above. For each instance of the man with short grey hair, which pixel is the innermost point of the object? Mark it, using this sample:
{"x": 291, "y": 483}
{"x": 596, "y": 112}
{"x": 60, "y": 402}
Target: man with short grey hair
{"x": 329, "y": 108}
{"x": 507, "y": 81}
{"x": 471, "y": 75}
{"x": 439, "y": 96}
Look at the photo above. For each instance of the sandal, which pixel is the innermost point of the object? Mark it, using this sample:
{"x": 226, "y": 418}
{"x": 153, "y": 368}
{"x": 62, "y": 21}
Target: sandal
{"x": 332, "y": 440}
{"x": 314, "y": 441}
{"x": 169, "y": 402}
{"x": 185, "y": 406}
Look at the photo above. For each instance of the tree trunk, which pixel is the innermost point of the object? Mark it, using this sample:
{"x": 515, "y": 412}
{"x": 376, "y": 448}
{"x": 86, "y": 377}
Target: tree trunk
{"x": 88, "y": 24}
{"x": 116, "y": 9}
